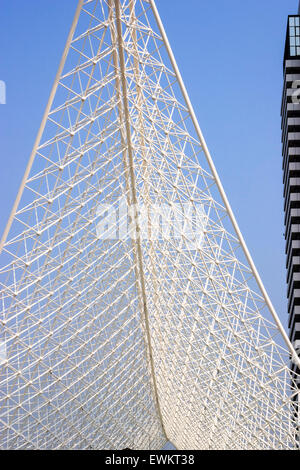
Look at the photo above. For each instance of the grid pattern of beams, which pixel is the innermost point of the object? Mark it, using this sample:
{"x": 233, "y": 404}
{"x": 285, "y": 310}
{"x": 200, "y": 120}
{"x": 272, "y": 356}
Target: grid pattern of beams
{"x": 127, "y": 341}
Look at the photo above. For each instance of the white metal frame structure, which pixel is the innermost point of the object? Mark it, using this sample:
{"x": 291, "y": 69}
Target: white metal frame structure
{"x": 129, "y": 341}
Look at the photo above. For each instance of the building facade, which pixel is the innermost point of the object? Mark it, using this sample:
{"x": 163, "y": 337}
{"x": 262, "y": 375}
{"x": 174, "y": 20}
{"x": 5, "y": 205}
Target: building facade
{"x": 290, "y": 114}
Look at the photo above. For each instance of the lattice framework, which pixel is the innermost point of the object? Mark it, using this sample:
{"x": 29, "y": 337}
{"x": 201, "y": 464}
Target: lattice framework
{"x": 118, "y": 339}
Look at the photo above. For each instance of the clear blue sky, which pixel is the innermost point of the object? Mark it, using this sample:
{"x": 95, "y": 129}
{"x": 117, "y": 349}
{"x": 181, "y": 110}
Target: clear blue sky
{"x": 230, "y": 55}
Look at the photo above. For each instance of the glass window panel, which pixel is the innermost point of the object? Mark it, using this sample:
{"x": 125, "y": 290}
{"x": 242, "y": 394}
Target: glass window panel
{"x": 293, "y": 51}
{"x": 297, "y": 31}
{"x": 298, "y": 50}
{"x": 292, "y": 21}
{"x": 297, "y": 21}
{"x": 292, "y": 31}
{"x": 297, "y": 41}
{"x": 293, "y": 41}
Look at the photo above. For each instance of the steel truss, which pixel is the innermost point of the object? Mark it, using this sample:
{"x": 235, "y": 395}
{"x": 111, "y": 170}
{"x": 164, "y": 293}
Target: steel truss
{"x": 128, "y": 341}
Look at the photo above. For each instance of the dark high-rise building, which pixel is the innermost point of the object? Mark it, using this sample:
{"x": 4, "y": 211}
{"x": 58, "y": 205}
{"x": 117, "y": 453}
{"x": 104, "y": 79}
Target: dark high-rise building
{"x": 290, "y": 112}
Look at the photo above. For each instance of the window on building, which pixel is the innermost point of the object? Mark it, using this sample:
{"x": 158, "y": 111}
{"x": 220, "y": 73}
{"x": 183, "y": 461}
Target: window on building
{"x": 294, "y": 29}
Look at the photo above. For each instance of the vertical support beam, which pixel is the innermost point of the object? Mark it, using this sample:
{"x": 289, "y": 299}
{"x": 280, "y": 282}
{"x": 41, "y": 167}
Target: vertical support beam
{"x": 146, "y": 170}
{"x": 134, "y": 201}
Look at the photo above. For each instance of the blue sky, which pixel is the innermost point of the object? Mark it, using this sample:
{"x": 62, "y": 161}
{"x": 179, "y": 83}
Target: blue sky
{"x": 230, "y": 55}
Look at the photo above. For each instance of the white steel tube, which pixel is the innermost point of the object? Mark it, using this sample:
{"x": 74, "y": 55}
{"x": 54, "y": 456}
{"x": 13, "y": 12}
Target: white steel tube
{"x": 134, "y": 201}
{"x": 220, "y": 186}
{"x": 42, "y": 126}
